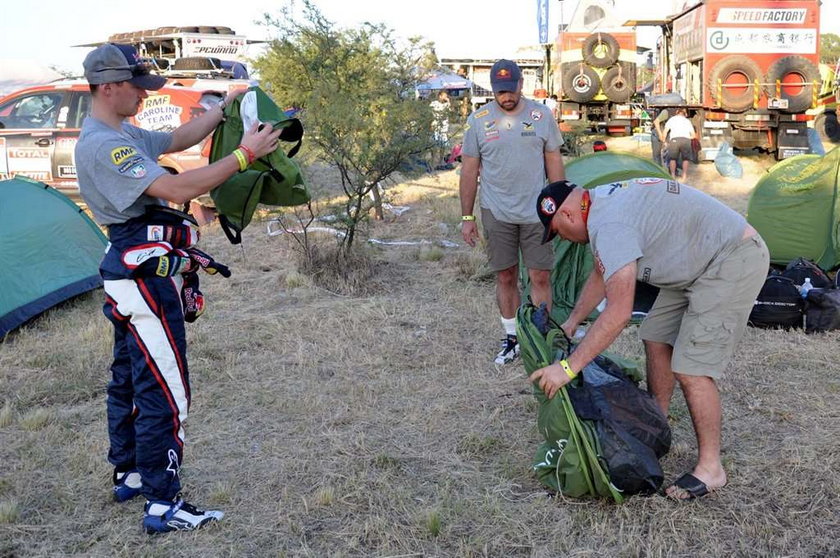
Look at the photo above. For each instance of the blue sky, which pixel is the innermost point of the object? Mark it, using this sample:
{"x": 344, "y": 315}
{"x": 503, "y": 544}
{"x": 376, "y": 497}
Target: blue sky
{"x": 45, "y": 31}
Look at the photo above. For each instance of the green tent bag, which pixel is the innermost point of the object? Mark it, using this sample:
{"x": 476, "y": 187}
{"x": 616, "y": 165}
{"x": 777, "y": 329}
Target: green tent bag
{"x": 273, "y": 179}
{"x": 568, "y": 459}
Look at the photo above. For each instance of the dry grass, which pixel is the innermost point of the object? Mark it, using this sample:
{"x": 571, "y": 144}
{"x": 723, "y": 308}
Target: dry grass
{"x": 376, "y": 425}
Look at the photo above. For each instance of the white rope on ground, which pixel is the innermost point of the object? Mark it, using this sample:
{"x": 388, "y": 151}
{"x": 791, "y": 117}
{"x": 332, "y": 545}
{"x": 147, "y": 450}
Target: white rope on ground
{"x": 275, "y": 228}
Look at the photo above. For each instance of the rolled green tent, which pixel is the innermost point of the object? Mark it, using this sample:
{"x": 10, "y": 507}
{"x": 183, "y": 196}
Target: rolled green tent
{"x": 795, "y": 208}
{"x": 50, "y": 251}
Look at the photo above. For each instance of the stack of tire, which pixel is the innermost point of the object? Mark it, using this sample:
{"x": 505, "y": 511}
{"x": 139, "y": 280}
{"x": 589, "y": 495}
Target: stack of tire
{"x": 599, "y": 70}
{"x": 795, "y": 73}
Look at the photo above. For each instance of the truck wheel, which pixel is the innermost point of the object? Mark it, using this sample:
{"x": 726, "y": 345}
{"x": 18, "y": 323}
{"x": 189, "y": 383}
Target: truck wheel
{"x": 796, "y": 75}
{"x": 600, "y": 50}
{"x": 827, "y": 127}
{"x": 619, "y": 82}
{"x": 580, "y": 83}
{"x": 739, "y": 73}
{"x": 196, "y": 63}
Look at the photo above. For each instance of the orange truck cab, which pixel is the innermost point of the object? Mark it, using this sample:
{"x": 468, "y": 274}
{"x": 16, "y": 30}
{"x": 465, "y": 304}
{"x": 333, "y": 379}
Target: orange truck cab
{"x": 747, "y": 70}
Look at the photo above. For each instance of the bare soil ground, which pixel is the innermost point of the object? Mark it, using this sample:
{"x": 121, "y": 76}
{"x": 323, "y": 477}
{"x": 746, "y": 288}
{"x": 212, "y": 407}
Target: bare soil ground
{"x": 329, "y": 425}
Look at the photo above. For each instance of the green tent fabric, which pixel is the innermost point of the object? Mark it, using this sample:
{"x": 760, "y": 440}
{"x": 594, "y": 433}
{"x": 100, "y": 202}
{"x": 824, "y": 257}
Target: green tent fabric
{"x": 796, "y": 209}
{"x": 50, "y": 251}
{"x": 567, "y": 461}
{"x": 271, "y": 180}
{"x": 574, "y": 262}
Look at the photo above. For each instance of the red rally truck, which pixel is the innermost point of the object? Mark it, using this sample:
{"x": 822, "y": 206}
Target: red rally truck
{"x": 748, "y": 71}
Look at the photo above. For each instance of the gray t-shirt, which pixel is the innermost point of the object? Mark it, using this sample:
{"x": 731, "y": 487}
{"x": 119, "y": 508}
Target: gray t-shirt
{"x": 115, "y": 168}
{"x": 671, "y": 230}
{"x": 511, "y": 149}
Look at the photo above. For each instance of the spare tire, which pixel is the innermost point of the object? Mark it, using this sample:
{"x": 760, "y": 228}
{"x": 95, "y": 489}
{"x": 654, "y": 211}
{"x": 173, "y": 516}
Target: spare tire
{"x": 619, "y": 82}
{"x": 580, "y": 83}
{"x": 740, "y": 73}
{"x": 600, "y": 50}
{"x": 225, "y": 31}
{"x": 207, "y": 29}
{"x": 197, "y": 63}
{"x": 827, "y": 127}
{"x": 796, "y": 74}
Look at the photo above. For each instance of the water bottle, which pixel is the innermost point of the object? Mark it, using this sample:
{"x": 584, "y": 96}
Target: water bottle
{"x": 806, "y": 286}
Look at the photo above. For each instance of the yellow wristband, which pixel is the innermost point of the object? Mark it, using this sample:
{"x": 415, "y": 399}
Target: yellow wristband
{"x": 243, "y": 161}
{"x": 467, "y": 217}
{"x": 564, "y": 364}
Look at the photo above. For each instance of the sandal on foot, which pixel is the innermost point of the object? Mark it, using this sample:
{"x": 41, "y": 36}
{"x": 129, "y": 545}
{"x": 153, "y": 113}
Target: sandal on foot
{"x": 691, "y": 485}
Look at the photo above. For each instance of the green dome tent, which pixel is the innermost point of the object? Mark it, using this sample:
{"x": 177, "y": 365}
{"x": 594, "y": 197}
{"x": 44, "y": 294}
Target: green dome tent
{"x": 573, "y": 262}
{"x": 50, "y": 251}
{"x": 796, "y": 209}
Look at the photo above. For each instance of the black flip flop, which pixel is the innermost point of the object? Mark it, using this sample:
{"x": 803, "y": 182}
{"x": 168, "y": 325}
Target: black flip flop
{"x": 691, "y": 485}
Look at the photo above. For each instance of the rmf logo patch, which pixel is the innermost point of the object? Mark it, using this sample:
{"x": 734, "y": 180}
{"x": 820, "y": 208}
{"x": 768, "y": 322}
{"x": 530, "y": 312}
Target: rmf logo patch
{"x": 120, "y": 154}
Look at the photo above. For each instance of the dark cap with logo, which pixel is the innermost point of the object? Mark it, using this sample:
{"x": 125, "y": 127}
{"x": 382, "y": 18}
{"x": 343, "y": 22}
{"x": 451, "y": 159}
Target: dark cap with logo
{"x": 113, "y": 63}
{"x": 504, "y": 76}
{"x": 549, "y": 201}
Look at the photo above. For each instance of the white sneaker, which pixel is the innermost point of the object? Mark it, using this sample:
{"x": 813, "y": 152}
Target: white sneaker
{"x": 162, "y": 516}
{"x": 510, "y": 350}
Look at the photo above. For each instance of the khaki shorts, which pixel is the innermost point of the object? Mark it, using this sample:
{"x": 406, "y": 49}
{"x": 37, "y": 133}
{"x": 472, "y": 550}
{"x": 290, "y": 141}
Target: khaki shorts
{"x": 705, "y": 322}
{"x": 504, "y": 240}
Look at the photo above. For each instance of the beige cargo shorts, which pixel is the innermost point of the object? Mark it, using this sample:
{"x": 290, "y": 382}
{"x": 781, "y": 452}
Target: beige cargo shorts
{"x": 705, "y": 322}
{"x": 504, "y": 241}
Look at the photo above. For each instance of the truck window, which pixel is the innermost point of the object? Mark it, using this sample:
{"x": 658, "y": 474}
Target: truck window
{"x": 31, "y": 111}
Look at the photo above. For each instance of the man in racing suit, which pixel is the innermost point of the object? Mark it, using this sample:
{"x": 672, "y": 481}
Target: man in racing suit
{"x": 149, "y": 267}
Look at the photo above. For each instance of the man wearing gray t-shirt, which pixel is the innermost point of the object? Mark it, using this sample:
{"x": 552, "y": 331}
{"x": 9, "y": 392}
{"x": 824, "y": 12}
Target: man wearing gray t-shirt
{"x": 149, "y": 272}
{"x": 709, "y": 265}
{"x": 513, "y": 144}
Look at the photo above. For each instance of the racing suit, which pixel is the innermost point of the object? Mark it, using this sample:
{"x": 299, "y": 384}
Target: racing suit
{"x": 145, "y": 268}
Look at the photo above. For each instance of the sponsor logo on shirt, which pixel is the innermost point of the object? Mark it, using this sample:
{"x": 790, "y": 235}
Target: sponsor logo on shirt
{"x": 489, "y": 125}
{"x": 646, "y": 275}
{"x": 616, "y": 186}
{"x": 536, "y": 115}
{"x": 491, "y": 135}
{"x": 127, "y": 164}
{"x": 648, "y": 181}
{"x": 483, "y": 113}
{"x": 122, "y": 153}
{"x": 527, "y": 126}
{"x": 673, "y": 187}
{"x": 138, "y": 171}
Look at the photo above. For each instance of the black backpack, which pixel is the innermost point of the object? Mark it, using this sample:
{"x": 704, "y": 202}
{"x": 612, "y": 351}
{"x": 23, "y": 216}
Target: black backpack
{"x": 800, "y": 268}
{"x": 779, "y": 304}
